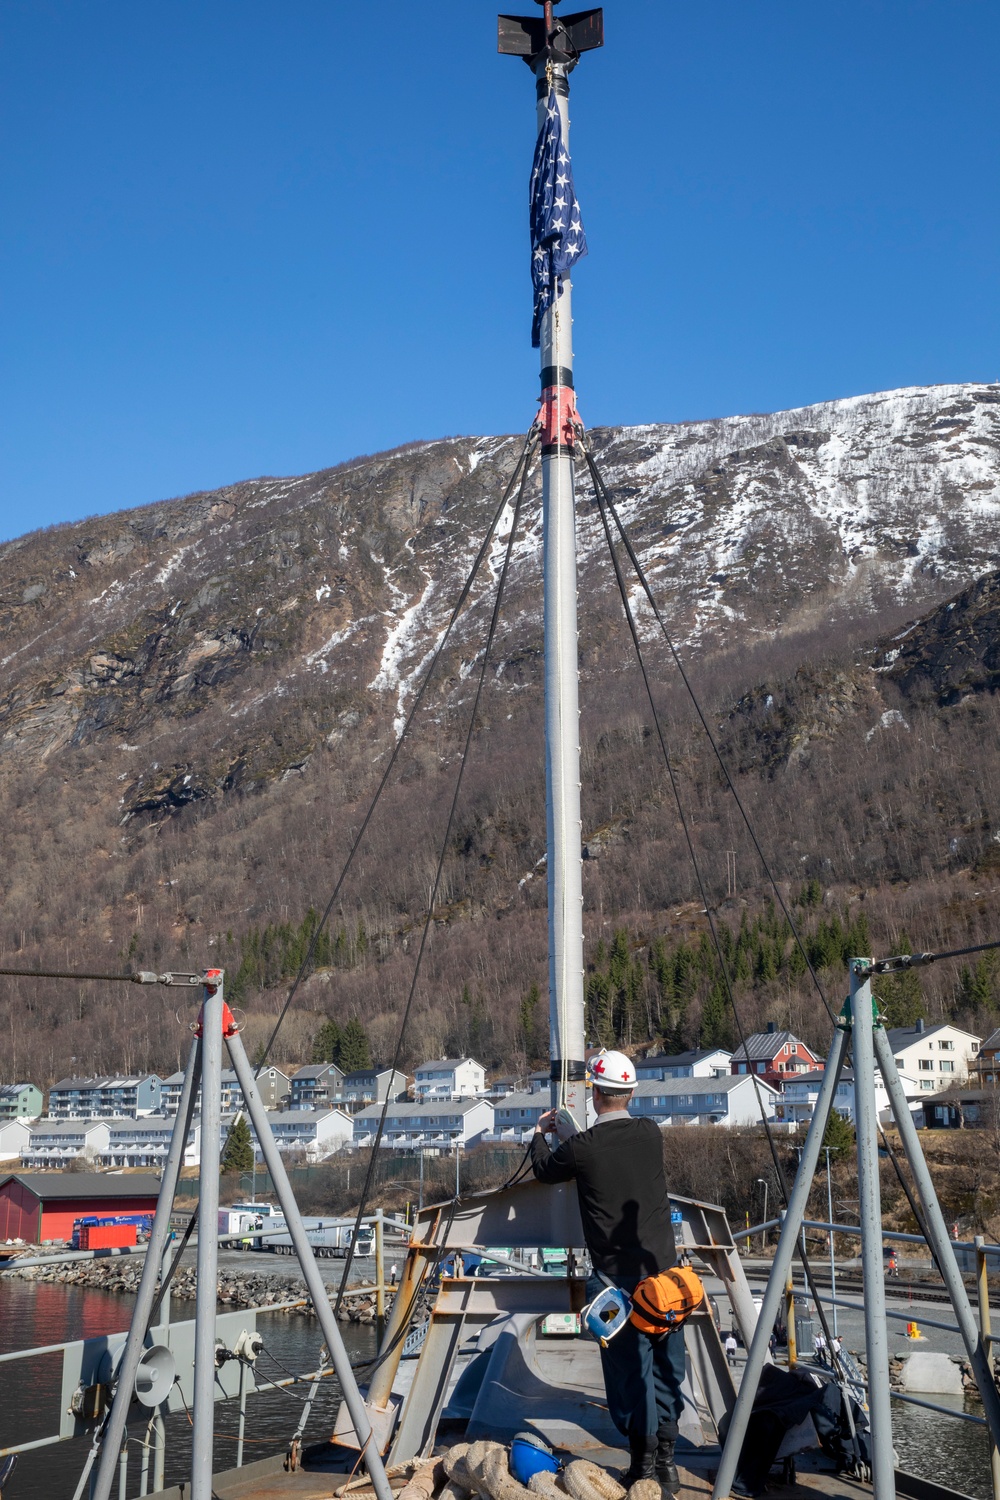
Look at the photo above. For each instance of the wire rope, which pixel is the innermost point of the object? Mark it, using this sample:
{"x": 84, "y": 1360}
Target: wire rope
{"x": 519, "y": 472}
{"x": 883, "y": 966}
{"x": 720, "y": 957}
{"x": 377, "y": 1142}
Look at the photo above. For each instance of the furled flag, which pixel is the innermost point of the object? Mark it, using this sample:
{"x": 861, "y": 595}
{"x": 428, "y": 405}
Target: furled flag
{"x": 557, "y": 237}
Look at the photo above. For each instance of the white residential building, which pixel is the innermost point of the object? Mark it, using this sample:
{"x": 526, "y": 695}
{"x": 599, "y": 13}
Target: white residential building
{"x": 705, "y": 1062}
{"x": 318, "y": 1133}
{"x": 938, "y": 1057}
{"x": 14, "y": 1136}
{"x": 703, "y": 1101}
{"x": 439, "y": 1123}
{"x": 144, "y": 1143}
{"x": 797, "y": 1104}
{"x": 55, "y": 1143}
{"x": 449, "y": 1078}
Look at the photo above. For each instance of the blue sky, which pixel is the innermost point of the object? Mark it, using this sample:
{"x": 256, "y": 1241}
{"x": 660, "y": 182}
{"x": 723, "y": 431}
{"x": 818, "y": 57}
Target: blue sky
{"x": 240, "y": 237}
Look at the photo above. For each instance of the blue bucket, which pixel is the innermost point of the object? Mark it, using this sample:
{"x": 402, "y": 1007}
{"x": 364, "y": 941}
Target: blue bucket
{"x": 527, "y": 1458}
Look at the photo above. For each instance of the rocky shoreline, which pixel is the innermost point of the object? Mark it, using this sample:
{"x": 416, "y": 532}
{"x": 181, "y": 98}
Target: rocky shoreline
{"x": 239, "y": 1289}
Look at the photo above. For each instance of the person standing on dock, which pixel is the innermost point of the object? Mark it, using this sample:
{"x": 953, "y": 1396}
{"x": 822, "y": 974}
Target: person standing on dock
{"x": 617, "y": 1166}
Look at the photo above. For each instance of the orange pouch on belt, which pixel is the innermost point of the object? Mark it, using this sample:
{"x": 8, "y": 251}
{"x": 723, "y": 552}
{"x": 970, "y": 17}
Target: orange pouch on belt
{"x": 661, "y": 1303}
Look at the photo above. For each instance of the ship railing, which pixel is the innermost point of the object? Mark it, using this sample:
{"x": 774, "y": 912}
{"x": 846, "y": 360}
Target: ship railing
{"x": 87, "y": 1364}
{"x": 974, "y": 1255}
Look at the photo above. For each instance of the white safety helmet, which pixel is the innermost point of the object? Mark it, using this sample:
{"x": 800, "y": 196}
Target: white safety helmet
{"x": 611, "y": 1072}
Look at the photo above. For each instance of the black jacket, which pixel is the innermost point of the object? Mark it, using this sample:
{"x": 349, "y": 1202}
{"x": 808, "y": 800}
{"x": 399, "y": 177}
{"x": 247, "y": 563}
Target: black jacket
{"x": 618, "y": 1169}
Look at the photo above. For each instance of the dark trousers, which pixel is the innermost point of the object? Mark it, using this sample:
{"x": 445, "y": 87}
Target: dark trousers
{"x": 642, "y": 1377}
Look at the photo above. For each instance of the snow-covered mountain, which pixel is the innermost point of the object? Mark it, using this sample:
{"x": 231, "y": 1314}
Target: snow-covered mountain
{"x": 762, "y": 521}
{"x": 198, "y": 696}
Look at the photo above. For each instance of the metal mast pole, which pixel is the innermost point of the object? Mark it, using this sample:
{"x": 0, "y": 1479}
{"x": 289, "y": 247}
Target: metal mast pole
{"x": 206, "y": 1304}
{"x": 564, "y": 826}
{"x": 552, "y": 48}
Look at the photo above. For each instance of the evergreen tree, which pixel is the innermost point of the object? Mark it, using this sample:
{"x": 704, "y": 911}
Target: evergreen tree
{"x": 238, "y": 1154}
{"x": 839, "y": 1135}
{"x": 326, "y": 1043}
{"x": 355, "y": 1050}
{"x": 976, "y": 985}
{"x": 715, "y": 1027}
{"x": 530, "y": 1027}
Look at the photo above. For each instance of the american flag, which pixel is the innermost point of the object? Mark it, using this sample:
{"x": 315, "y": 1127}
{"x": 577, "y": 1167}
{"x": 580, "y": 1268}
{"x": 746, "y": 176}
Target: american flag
{"x": 557, "y": 237}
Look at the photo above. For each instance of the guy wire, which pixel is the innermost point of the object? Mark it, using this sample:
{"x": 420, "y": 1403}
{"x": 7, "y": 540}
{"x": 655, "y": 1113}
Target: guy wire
{"x": 601, "y": 490}
{"x": 775, "y": 1159}
{"x": 376, "y": 1144}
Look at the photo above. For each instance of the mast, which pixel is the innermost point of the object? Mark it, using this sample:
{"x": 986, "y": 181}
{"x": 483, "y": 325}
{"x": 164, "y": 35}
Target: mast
{"x": 551, "y": 47}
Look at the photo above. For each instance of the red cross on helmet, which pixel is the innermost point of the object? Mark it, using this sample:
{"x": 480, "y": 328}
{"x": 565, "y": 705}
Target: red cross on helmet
{"x": 612, "y": 1072}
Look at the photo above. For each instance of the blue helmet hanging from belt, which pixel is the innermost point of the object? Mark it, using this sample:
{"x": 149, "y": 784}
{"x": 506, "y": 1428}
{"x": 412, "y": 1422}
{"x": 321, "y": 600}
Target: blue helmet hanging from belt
{"x": 606, "y": 1315}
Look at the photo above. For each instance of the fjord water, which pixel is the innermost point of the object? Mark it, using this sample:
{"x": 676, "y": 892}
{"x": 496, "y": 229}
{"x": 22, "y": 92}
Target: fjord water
{"x": 33, "y": 1315}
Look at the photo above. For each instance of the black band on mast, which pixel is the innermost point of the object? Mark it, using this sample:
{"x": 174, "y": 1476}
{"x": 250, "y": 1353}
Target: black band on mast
{"x": 575, "y": 1071}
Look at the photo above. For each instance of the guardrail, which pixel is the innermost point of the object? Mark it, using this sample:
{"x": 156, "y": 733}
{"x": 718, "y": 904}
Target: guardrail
{"x": 977, "y": 1250}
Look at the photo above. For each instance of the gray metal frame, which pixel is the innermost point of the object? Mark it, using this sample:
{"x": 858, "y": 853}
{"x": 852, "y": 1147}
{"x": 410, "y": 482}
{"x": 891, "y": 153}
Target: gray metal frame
{"x": 114, "y": 1430}
{"x": 871, "y": 1046}
{"x": 206, "y": 1055}
{"x": 758, "y": 1352}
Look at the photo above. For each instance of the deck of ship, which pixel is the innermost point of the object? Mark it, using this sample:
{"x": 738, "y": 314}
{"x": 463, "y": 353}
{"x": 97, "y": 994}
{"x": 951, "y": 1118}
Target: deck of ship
{"x": 269, "y": 1481}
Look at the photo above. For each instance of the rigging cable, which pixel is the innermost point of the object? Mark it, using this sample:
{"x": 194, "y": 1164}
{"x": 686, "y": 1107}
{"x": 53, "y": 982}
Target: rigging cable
{"x": 602, "y": 492}
{"x": 520, "y": 470}
{"x": 376, "y": 1144}
{"x": 723, "y": 968}
{"x": 519, "y": 473}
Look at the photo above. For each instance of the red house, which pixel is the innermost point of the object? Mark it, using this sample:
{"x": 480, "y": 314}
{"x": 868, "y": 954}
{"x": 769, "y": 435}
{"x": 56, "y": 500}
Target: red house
{"x": 39, "y": 1206}
{"x": 774, "y": 1056}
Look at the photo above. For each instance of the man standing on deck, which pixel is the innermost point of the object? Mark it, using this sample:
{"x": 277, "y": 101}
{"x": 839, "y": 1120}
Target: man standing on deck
{"x": 618, "y": 1168}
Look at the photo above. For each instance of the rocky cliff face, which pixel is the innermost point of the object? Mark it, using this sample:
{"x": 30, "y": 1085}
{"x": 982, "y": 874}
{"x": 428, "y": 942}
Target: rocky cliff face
{"x": 197, "y": 696}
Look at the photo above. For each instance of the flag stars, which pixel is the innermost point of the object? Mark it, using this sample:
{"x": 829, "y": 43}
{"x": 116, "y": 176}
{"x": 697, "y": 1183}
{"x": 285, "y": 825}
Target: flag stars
{"x": 557, "y": 236}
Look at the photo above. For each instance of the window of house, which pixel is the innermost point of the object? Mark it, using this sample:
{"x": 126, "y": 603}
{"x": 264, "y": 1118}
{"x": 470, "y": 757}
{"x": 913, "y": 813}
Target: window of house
{"x": 947, "y": 1046}
{"x": 762, "y": 1067}
{"x": 793, "y": 1047}
{"x": 925, "y": 1066}
{"x": 926, "y": 1083}
{"x": 947, "y": 1067}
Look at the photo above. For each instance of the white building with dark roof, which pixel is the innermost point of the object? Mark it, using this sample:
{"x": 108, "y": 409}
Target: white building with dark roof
{"x": 449, "y": 1078}
{"x": 703, "y": 1101}
{"x": 938, "y": 1057}
{"x": 436, "y": 1124}
{"x": 799, "y": 1094}
{"x": 701, "y": 1062}
{"x": 55, "y": 1143}
{"x": 317, "y": 1133}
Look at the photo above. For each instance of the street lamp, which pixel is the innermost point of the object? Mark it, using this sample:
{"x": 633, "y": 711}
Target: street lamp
{"x": 763, "y": 1183}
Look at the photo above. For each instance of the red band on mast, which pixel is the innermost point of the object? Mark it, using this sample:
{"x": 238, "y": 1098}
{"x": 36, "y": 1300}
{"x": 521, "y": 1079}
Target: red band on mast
{"x": 559, "y": 418}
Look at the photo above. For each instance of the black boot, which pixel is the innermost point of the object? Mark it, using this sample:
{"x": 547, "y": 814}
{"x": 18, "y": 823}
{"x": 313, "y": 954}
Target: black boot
{"x": 643, "y": 1465}
{"x": 664, "y": 1466}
